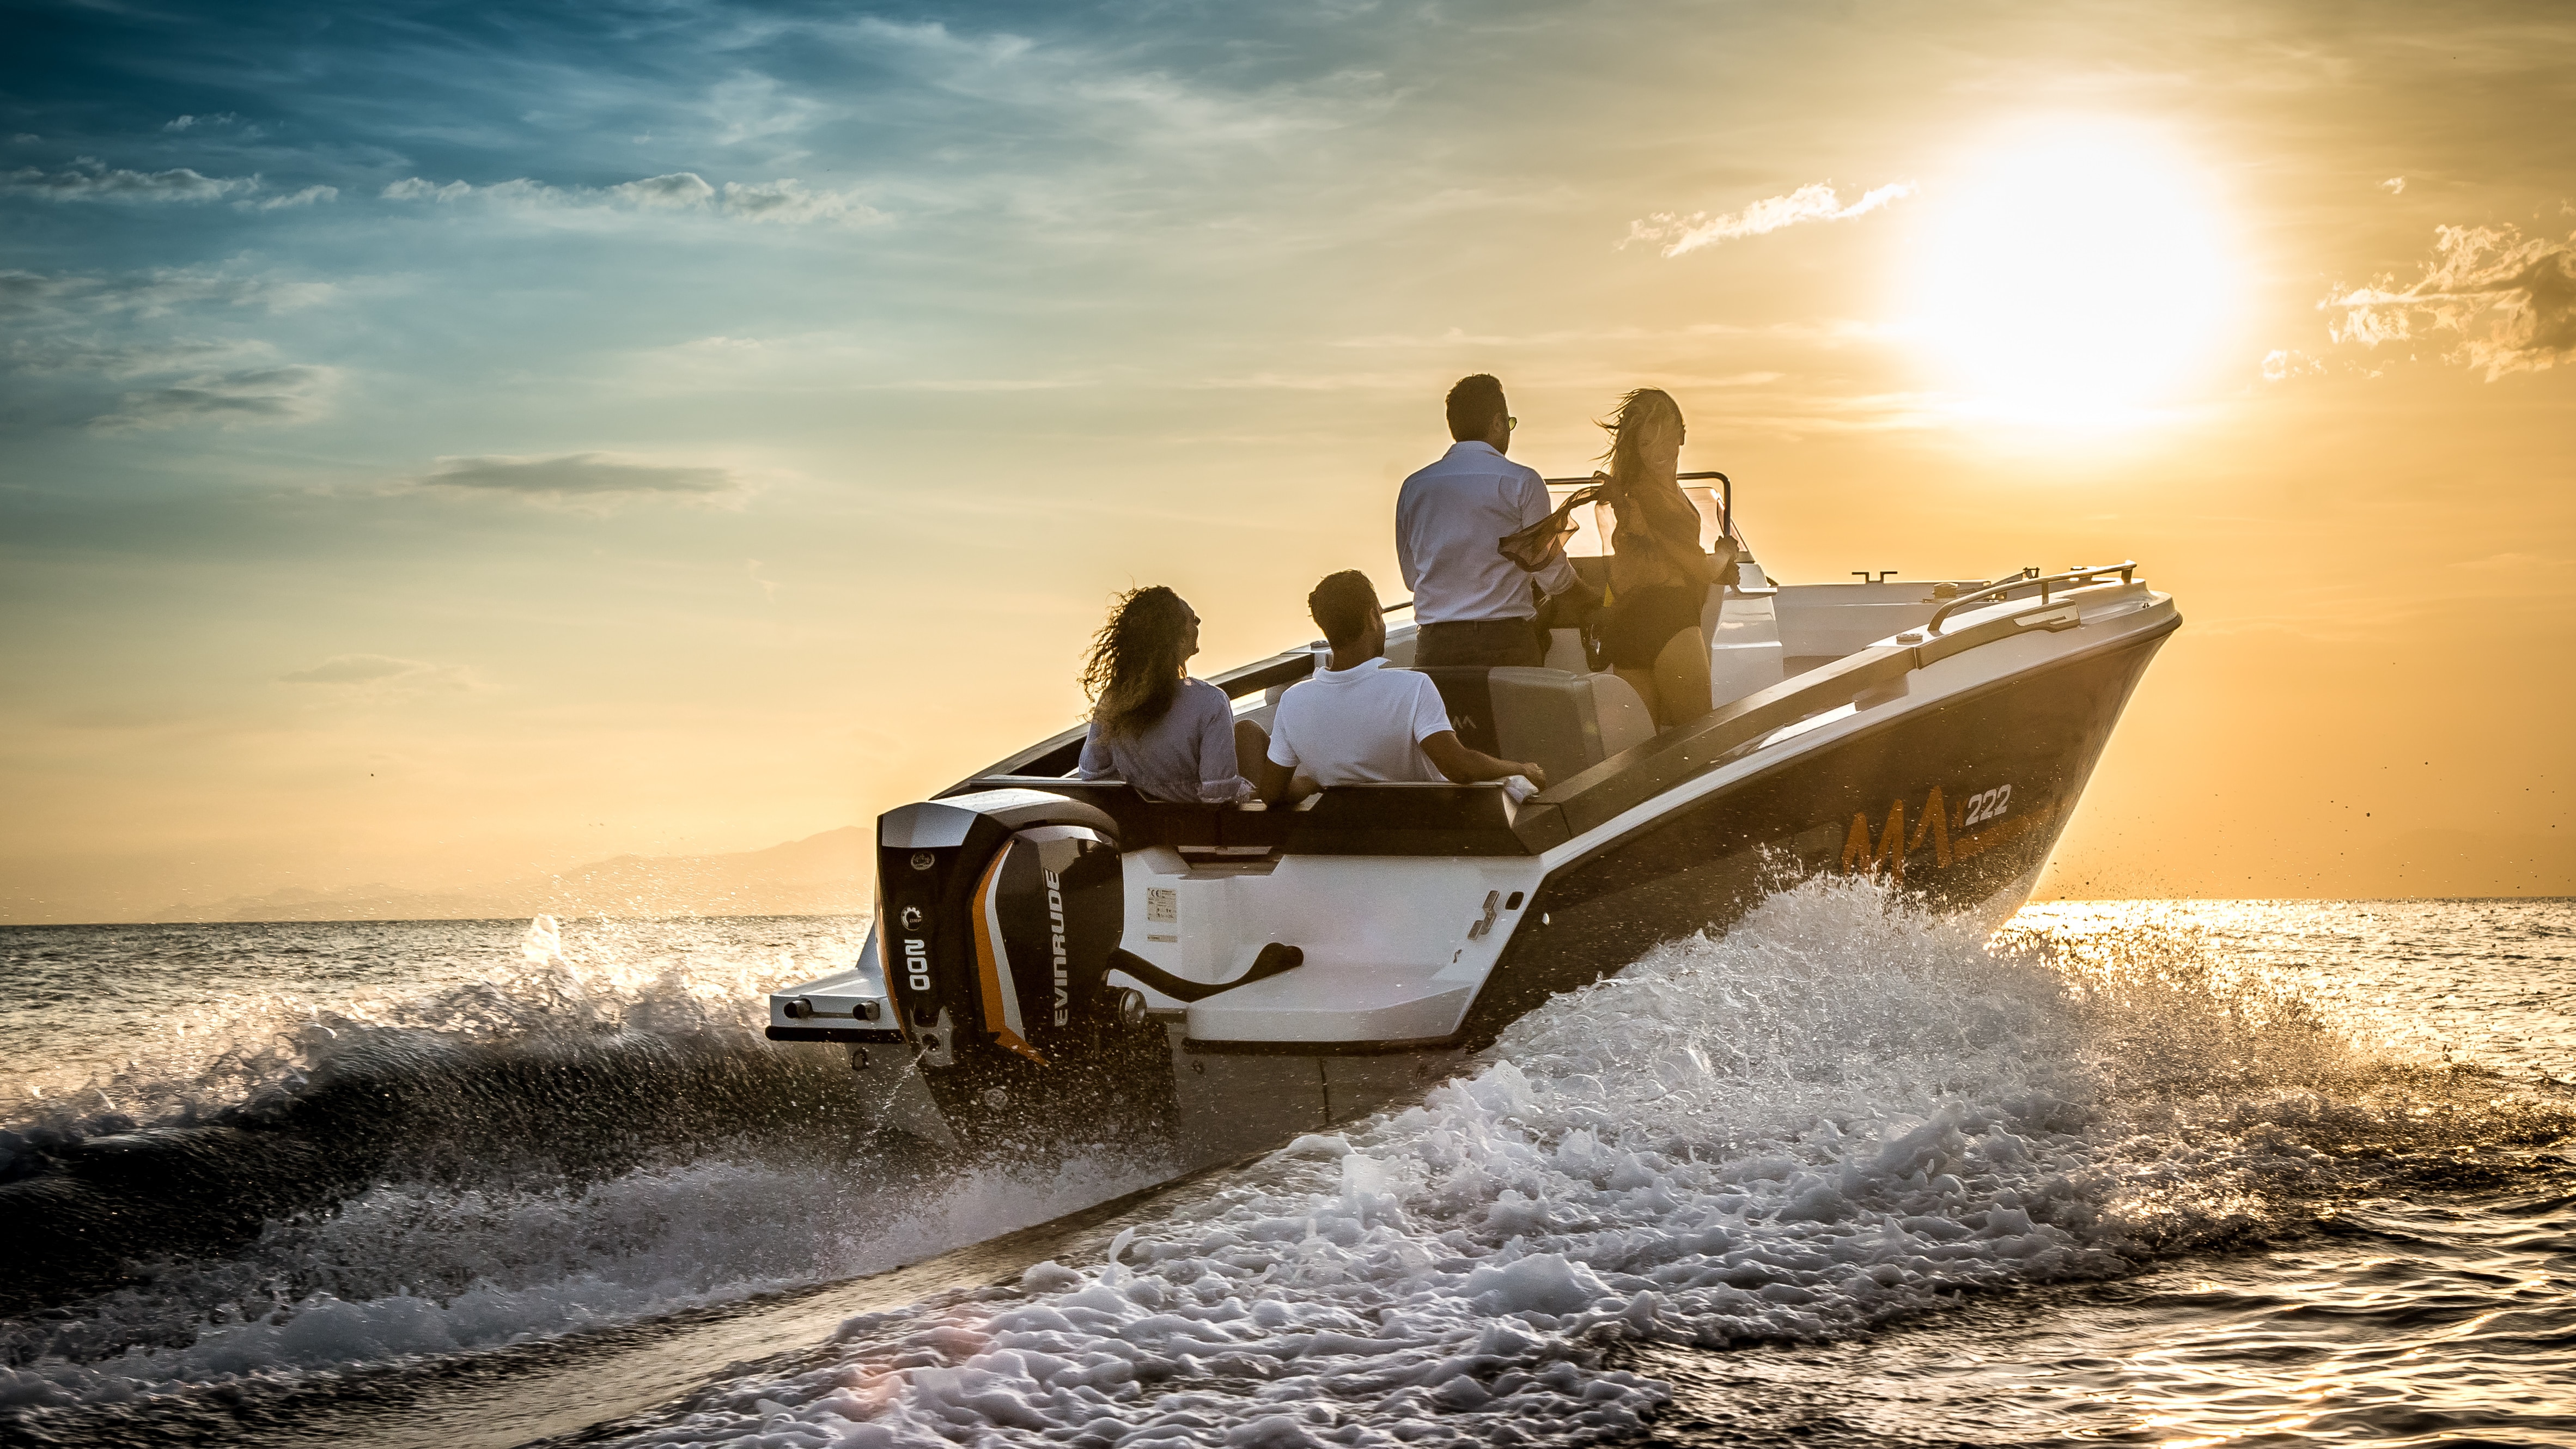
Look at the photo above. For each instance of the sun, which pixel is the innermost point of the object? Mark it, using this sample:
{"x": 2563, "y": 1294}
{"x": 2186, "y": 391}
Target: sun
{"x": 2076, "y": 273}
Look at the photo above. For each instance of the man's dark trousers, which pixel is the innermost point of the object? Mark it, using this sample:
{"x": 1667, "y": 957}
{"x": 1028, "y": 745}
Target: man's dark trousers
{"x": 1490, "y": 643}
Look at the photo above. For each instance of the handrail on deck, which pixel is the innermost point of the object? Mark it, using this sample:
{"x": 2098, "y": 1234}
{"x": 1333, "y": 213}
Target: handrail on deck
{"x": 2002, "y": 588}
{"x": 1725, "y": 495}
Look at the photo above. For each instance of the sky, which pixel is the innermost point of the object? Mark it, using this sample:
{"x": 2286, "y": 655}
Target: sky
{"x": 440, "y": 442}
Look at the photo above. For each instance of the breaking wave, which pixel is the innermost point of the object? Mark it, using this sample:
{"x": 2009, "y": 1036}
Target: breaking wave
{"x": 481, "y": 1134}
{"x": 545, "y": 1076}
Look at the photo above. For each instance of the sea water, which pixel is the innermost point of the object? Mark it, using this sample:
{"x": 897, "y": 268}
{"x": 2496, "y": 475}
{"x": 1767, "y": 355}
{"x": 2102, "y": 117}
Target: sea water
{"x": 2175, "y": 1173}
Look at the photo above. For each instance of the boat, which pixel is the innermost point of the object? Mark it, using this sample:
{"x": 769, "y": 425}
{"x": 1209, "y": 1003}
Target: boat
{"x": 1053, "y": 955}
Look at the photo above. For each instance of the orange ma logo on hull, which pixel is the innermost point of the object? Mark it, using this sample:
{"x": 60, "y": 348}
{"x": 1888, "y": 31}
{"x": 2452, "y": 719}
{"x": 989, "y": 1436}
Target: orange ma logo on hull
{"x": 1890, "y": 845}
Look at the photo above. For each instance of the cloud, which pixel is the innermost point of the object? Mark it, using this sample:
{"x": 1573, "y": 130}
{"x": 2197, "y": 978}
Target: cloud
{"x": 84, "y": 347}
{"x": 353, "y": 669}
{"x": 581, "y": 477}
{"x": 59, "y": 297}
{"x": 190, "y": 123}
{"x": 289, "y": 393}
{"x": 2394, "y": 186}
{"x": 414, "y": 188}
{"x": 306, "y": 197}
{"x": 1814, "y": 202}
{"x": 980, "y": 384}
{"x": 383, "y": 674}
{"x": 1832, "y": 333}
{"x": 90, "y": 180}
{"x": 2280, "y": 365}
{"x": 678, "y": 190}
{"x": 59, "y": 356}
{"x": 750, "y": 106}
{"x": 2511, "y": 300}
{"x": 2511, "y": 561}
{"x": 784, "y": 200}
{"x": 1079, "y": 92}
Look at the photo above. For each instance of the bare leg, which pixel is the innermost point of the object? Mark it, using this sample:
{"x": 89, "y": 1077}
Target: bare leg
{"x": 1642, "y": 681}
{"x": 1681, "y": 679}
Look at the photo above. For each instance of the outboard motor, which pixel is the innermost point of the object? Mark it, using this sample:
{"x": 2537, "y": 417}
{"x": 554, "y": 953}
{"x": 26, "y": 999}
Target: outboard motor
{"x": 998, "y": 913}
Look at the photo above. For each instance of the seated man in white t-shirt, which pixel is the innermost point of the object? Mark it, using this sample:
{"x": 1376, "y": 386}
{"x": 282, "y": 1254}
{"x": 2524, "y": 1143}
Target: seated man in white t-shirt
{"x": 1357, "y": 722}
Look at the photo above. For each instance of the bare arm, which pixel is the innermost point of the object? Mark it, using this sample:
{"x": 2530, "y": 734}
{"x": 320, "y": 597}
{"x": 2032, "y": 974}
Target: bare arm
{"x": 1275, "y": 779}
{"x": 1464, "y": 766}
{"x": 1558, "y": 576}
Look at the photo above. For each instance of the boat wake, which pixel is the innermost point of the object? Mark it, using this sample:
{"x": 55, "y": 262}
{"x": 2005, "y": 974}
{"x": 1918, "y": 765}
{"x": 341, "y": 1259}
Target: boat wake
{"x": 541, "y": 1146}
{"x": 1842, "y": 1113}
{"x": 1838, "y": 1115}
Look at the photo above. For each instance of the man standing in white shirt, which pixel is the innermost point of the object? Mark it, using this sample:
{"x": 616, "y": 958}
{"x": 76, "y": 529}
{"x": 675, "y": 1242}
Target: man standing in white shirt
{"x": 1472, "y": 603}
{"x": 1358, "y": 722}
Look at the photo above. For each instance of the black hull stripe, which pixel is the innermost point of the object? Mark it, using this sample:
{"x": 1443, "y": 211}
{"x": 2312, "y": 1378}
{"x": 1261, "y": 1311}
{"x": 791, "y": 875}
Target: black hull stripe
{"x": 1859, "y": 805}
{"x": 2148, "y": 639}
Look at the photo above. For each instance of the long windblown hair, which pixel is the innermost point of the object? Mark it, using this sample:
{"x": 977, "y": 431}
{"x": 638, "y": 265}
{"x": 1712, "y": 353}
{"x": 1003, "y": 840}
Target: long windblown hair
{"x": 1134, "y": 672}
{"x": 1649, "y": 412}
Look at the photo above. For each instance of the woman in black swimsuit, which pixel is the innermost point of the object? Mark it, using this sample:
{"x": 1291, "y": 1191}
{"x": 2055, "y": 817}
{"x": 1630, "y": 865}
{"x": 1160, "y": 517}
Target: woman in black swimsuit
{"x": 1659, "y": 578}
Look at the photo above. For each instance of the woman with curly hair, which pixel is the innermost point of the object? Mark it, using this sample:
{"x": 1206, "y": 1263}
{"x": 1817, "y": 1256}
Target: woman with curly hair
{"x": 1659, "y": 577}
{"x": 1172, "y": 737}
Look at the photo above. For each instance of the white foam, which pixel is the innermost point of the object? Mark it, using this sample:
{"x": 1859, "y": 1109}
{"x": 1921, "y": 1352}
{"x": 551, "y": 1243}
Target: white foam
{"x": 417, "y": 1271}
{"x": 414, "y": 1268}
{"x": 1840, "y": 1113}
{"x": 262, "y": 1006}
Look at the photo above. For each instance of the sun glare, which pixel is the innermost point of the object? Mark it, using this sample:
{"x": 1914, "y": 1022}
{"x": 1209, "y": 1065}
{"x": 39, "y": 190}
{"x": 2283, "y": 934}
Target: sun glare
{"x": 2076, "y": 277}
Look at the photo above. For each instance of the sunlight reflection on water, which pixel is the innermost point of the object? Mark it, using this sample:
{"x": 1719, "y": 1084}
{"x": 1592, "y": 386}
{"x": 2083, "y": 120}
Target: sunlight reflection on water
{"x": 2480, "y": 982}
{"x": 2398, "y": 1324}
{"x": 2440, "y": 1311}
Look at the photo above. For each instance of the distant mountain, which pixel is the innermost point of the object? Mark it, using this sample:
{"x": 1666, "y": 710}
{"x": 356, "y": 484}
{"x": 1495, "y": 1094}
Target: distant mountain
{"x": 824, "y": 874}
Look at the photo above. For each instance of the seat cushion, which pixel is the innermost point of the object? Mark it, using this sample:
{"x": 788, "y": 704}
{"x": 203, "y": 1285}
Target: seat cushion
{"x": 1622, "y": 717}
{"x": 1545, "y": 715}
{"x": 1565, "y": 720}
{"x": 1405, "y": 819}
{"x": 1466, "y": 694}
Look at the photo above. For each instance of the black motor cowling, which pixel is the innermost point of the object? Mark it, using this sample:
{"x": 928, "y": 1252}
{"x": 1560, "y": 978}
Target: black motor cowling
{"x": 1047, "y": 914}
{"x": 1000, "y": 910}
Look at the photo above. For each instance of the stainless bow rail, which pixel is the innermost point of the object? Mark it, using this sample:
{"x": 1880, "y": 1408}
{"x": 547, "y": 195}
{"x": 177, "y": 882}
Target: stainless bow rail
{"x": 2028, "y": 578}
